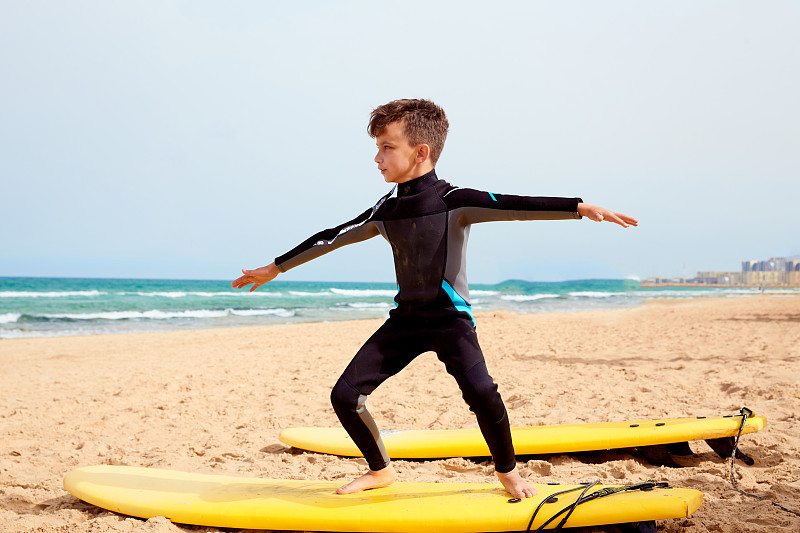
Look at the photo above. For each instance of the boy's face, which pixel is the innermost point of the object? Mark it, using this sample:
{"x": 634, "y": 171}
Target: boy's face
{"x": 397, "y": 160}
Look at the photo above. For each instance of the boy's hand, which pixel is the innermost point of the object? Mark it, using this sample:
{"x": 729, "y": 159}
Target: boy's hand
{"x": 257, "y": 277}
{"x": 599, "y": 214}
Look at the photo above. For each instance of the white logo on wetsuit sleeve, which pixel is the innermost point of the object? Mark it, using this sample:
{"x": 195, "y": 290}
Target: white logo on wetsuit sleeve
{"x": 353, "y": 226}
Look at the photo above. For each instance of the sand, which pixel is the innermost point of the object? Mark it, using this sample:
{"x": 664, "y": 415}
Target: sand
{"x": 214, "y": 401}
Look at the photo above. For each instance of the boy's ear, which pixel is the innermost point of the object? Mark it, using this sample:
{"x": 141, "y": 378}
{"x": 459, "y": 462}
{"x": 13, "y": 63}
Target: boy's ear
{"x": 423, "y": 153}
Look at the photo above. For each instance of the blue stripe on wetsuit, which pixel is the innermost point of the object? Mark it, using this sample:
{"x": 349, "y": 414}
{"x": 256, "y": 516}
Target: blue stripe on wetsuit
{"x": 458, "y": 302}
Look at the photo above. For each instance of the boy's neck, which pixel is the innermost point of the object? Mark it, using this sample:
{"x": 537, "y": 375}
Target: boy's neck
{"x": 417, "y": 184}
{"x": 422, "y": 170}
{"x": 430, "y": 172}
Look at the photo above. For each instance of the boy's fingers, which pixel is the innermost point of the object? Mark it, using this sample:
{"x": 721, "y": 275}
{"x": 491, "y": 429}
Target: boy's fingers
{"x": 628, "y": 220}
{"x": 622, "y": 220}
{"x": 241, "y": 281}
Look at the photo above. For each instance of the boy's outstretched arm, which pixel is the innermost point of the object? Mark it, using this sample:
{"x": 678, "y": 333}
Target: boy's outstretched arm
{"x": 257, "y": 277}
{"x": 599, "y": 214}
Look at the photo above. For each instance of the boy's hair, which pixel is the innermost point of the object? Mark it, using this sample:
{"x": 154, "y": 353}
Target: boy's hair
{"x": 423, "y": 123}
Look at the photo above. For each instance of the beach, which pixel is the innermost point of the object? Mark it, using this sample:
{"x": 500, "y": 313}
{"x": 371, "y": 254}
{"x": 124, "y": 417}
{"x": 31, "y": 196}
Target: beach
{"x": 215, "y": 400}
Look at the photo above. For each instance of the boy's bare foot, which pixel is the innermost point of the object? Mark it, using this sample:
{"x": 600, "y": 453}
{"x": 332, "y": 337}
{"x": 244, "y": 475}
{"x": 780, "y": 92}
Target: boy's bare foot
{"x": 373, "y": 479}
{"x": 515, "y": 485}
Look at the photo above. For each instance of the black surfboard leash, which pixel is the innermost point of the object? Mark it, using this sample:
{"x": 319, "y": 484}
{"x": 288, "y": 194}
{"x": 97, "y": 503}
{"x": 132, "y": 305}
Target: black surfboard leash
{"x": 553, "y": 498}
{"x": 583, "y": 498}
{"x": 747, "y": 413}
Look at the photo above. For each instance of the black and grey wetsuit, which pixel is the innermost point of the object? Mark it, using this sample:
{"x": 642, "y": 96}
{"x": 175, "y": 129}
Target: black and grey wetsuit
{"x": 427, "y": 222}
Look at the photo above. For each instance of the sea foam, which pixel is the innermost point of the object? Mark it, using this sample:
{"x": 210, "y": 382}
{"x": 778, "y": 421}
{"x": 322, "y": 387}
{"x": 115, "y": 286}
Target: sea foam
{"x": 364, "y": 292}
{"x": 48, "y": 294}
{"x": 527, "y": 297}
{"x": 595, "y": 294}
{"x": 155, "y": 314}
{"x": 9, "y": 318}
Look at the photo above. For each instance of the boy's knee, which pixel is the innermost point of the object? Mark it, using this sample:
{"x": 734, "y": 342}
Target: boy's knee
{"x": 481, "y": 395}
{"x": 344, "y": 397}
{"x": 479, "y": 389}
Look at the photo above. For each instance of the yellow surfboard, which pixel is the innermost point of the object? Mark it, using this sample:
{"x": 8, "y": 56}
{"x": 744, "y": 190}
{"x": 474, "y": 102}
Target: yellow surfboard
{"x": 562, "y": 438}
{"x": 235, "y": 502}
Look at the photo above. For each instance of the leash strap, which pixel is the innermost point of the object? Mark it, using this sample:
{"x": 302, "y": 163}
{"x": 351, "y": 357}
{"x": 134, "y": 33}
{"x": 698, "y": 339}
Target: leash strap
{"x": 607, "y": 491}
{"x": 747, "y": 413}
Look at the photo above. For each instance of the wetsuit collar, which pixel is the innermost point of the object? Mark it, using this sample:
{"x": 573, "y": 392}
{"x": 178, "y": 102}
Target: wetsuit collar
{"x": 417, "y": 184}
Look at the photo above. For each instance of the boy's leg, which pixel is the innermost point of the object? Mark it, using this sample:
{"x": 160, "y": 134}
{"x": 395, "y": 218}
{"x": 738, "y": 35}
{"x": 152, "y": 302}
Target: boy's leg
{"x": 388, "y": 351}
{"x": 461, "y": 353}
{"x": 480, "y": 392}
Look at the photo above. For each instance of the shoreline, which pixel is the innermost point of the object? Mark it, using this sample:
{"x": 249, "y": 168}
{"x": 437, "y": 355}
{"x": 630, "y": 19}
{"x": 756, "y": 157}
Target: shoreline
{"x": 478, "y": 315}
{"x": 158, "y": 328}
{"x": 764, "y": 287}
{"x": 90, "y": 306}
{"x": 214, "y": 401}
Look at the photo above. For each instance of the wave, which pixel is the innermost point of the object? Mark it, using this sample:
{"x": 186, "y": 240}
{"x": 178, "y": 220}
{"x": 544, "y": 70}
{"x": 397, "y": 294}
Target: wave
{"x": 352, "y": 293}
{"x": 49, "y": 294}
{"x": 283, "y": 313}
{"x": 167, "y": 315}
{"x": 9, "y": 318}
{"x": 184, "y": 294}
{"x": 596, "y": 294}
{"x": 367, "y": 305}
{"x": 158, "y": 294}
{"x": 527, "y": 297}
{"x": 304, "y": 293}
{"x": 364, "y": 292}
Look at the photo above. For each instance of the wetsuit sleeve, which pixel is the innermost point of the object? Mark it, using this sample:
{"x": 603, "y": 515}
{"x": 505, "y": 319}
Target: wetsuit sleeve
{"x": 473, "y": 206}
{"x": 356, "y": 230}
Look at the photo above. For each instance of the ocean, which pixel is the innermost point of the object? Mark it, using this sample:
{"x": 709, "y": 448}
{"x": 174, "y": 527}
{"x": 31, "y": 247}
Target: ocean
{"x": 48, "y": 307}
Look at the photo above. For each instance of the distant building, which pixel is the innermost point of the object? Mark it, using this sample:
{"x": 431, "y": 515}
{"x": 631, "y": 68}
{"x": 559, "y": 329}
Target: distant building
{"x": 775, "y": 264}
{"x": 775, "y": 272}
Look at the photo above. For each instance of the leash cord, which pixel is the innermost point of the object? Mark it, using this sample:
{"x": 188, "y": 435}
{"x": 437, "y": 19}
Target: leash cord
{"x": 549, "y": 498}
{"x": 747, "y": 413}
{"x": 608, "y": 491}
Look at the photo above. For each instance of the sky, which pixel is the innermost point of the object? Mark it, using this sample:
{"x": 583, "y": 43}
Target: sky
{"x": 190, "y": 139}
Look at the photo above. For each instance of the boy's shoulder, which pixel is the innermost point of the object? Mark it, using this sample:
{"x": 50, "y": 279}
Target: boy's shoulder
{"x": 445, "y": 187}
{"x": 454, "y": 195}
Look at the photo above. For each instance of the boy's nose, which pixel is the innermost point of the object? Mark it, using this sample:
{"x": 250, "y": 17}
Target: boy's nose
{"x": 377, "y": 157}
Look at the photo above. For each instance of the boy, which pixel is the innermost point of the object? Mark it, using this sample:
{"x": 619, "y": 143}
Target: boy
{"x": 426, "y": 221}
